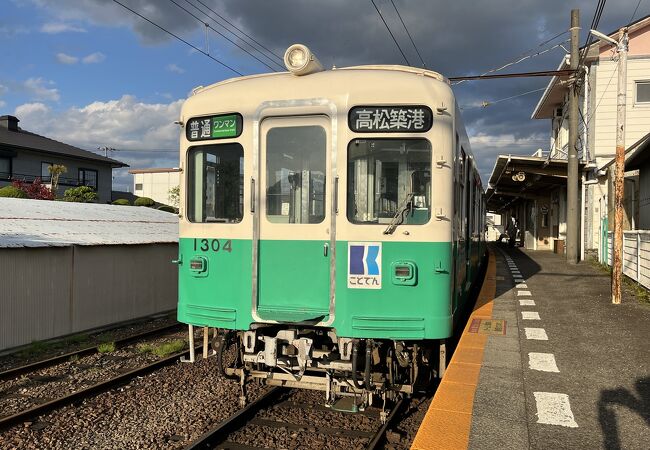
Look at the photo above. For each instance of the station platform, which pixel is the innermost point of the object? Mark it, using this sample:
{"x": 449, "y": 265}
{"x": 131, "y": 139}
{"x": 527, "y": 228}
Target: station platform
{"x": 546, "y": 361}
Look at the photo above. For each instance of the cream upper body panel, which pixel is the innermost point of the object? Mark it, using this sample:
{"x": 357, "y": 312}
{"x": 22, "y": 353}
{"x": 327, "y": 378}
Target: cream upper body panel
{"x": 332, "y": 93}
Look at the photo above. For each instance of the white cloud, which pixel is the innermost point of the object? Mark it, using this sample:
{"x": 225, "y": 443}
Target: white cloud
{"x": 123, "y": 124}
{"x": 36, "y": 87}
{"x": 3, "y": 89}
{"x": 175, "y": 69}
{"x": 2, "y": 104}
{"x": 94, "y": 58}
{"x": 60, "y": 27}
{"x": 33, "y": 110}
{"x": 66, "y": 59}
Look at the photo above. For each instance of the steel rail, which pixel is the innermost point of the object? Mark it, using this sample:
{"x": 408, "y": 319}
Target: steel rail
{"x": 378, "y": 440}
{"x": 216, "y": 435}
{"x": 91, "y": 390}
{"x": 12, "y": 373}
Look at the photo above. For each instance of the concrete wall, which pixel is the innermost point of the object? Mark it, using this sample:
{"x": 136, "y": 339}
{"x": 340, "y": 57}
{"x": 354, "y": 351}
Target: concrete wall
{"x": 29, "y": 163}
{"x": 53, "y": 291}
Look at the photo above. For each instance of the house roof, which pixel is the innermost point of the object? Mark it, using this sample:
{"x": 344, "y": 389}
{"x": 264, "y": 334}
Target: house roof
{"x": 42, "y": 223}
{"x": 557, "y": 87}
{"x": 636, "y": 154}
{"x": 26, "y": 140}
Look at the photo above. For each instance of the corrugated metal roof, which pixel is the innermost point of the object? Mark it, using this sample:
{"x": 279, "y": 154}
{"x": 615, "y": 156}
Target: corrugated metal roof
{"x": 42, "y": 223}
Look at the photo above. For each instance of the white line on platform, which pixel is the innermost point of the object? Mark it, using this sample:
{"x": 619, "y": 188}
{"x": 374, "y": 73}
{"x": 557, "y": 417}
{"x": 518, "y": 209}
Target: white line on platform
{"x": 522, "y": 286}
{"x": 527, "y": 302}
{"x": 530, "y": 315}
{"x": 544, "y": 362}
{"x": 523, "y": 294}
{"x": 515, "y": 272}
{"x": 519, "y": 280}
{"x": 554, "y": 409}
{"x": 536, "y": 334}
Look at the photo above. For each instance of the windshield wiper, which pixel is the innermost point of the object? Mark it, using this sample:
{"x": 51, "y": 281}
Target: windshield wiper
{"x": 398, "y": 219}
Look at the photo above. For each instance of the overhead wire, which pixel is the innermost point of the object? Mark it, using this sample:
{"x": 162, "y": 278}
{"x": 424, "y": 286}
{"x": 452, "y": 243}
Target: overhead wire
{"x": 221, "y": 34}
{"x": 635, "y": 10}
{"x": 486, "y": 103}
{"x": 527, "y": 54}
{"x": 179, "y": 38}
{"x": 273, "y": 59}
{"x": 390, "y": 32}
{"x": 408, "y": 33}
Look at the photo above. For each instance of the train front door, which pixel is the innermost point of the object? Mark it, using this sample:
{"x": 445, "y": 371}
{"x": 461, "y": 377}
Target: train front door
{"x": 294, "y": 219}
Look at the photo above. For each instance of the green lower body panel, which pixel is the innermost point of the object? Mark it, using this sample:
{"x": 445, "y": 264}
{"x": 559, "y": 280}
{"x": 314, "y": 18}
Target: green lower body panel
{"x": 294, "y": 287}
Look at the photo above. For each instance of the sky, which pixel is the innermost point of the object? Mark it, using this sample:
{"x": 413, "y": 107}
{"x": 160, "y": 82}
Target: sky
{"x": 93, "y": 74}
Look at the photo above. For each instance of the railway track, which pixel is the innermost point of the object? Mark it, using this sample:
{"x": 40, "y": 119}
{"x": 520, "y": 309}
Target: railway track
{"x": 275, "y": 411}
{"x": 43, "y": 406}
{"x": 28, "y": 368}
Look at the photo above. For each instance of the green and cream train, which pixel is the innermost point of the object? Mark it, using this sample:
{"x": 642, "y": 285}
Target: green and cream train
{"x": 331, "y": 225}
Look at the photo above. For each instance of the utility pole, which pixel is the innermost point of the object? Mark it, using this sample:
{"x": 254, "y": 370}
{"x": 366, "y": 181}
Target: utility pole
{"x": 619, "y": 175}
{"x": 573, "y": 218}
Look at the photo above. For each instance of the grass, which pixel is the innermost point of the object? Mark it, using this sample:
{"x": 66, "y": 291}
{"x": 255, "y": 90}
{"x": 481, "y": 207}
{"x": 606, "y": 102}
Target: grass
{"x": 162, "y": 350}
{"x": 642, "y": 294}
{"x": 106, "y": 347}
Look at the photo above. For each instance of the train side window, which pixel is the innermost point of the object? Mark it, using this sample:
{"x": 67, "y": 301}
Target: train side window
{"x": 215, "y": 190}
{"x": 387, "y": 177}
{"x": 295, "y": 174}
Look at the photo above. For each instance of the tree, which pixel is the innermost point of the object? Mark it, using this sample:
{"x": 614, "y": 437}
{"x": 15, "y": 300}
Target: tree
{"x": 81, "y": 194}
{"x": 56, "y": 170}
{"x": 175, "y": 196}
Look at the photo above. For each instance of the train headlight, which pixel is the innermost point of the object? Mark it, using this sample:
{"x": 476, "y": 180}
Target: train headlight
{"x": 299, "y": 60}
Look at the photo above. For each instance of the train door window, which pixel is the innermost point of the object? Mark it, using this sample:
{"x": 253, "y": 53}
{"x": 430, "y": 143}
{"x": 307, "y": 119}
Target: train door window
{"x": 216, "y": 183}
{"x": 295, "y": 174}
{"x": 389, "y": 177}
{"x": 462, "y": 181}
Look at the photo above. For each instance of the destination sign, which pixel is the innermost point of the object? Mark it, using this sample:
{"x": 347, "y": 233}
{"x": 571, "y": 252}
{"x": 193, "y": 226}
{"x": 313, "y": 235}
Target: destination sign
{"x": 214, "y": 127}
{"x": 390, "y": 119}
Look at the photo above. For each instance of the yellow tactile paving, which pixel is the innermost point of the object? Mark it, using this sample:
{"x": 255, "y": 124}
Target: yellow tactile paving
{"x": 449, "y": 418}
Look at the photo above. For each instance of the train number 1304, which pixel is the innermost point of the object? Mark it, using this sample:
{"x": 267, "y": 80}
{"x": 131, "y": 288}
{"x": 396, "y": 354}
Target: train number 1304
{"x": 214, "y": 245}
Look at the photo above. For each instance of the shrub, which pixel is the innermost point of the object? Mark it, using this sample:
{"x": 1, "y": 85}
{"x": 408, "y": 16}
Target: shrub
{"x": 13, "y": 192}
{"x": 81, "y": 194}
{"x": 36, "y": 190}
{"x": 144, "y": 201}
{"x": 121, "y": 201}
{"x": 167, "y": 208}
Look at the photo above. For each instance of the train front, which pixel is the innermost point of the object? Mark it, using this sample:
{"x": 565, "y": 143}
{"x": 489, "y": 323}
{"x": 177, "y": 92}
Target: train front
{"x": 316, "y": 225}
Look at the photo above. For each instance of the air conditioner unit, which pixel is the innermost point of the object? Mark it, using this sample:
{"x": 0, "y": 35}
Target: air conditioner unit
{"x": 557, "y": 113}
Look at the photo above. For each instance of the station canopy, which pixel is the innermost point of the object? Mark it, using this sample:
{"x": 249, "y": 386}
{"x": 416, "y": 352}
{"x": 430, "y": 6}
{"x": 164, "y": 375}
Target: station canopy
{"x": 524, "y": 177}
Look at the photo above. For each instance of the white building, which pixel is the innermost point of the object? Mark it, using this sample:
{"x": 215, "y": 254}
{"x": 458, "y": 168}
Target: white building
{"x": 597, "y": 124}
{"x": 155, "y": 183}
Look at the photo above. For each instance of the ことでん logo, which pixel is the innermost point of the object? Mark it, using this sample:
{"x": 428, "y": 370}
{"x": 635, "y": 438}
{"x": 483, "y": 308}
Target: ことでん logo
{"x": 364, "y": 265}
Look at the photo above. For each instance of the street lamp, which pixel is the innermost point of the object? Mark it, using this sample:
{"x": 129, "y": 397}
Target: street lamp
{"x": 619, "y": 173}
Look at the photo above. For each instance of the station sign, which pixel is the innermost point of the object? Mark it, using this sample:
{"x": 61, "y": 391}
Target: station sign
{"x": 390, "y": 119}
{"x": 214, "y": 127}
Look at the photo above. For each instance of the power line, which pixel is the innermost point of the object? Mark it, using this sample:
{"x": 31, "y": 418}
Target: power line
{"x": 527, "y": 55}
{"x": 391, "y": 33}
{"x": 240, "y": 30}
{"x": 264, "y": 55}
{"x": 485, "y": 104}
{"x": 594, "y": 25}
{"x": 179, "y": 38}
{"x": 635, "y": 10}
{"x": 409, "y": 34}
{"x": 544, "y": 73}
{"x": 220, "y": 34}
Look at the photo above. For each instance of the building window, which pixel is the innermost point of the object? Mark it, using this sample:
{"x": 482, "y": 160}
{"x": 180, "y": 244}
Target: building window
{"x": 46, "y": 176}
{"x": 88, "y": 177}
{"x": 215, "y": 189}
{"x": 5, "y": 168}
{"x": 643, "y": 92}
{"x": 138, "y": 186}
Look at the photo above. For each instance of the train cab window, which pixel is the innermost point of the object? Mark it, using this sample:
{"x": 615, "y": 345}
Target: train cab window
{"x": 295, "y": 174}
{"x": 389, "y": 177}
{"x": 216, "y": 183}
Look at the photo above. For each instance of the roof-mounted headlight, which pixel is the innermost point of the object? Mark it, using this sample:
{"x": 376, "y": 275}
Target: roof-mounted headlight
{"x": 299, "y": 60}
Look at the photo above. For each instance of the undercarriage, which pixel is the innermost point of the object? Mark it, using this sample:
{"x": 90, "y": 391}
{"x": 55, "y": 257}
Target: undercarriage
{"x": 347, "y": 370}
